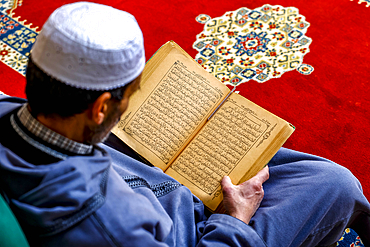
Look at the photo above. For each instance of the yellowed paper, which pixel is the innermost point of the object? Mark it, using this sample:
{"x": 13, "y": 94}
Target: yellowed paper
{"x": 167, "y": 124}
{"x": 170, "y": 109}
{"x": 229, "y": 144}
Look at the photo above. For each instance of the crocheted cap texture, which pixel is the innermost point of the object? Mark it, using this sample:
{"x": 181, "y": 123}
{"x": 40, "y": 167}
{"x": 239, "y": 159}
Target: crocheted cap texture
{"x": 90, "y": 46}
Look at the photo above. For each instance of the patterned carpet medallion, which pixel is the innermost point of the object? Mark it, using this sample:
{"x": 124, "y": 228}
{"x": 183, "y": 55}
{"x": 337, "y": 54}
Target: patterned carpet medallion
{"x": 258, "y": 44}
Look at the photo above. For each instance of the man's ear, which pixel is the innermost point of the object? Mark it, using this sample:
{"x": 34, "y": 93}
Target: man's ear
{"x": 99, "y": 108}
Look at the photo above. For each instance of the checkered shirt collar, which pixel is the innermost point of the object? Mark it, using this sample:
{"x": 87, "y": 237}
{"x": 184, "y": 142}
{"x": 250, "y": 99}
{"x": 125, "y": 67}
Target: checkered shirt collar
{"x": 49, "y": 136}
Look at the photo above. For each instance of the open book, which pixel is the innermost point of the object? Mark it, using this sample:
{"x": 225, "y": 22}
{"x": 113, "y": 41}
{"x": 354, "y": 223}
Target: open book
{"x": 186, "y": 122}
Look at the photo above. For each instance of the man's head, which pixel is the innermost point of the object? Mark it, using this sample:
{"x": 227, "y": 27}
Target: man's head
{"x": 87, "y": 59}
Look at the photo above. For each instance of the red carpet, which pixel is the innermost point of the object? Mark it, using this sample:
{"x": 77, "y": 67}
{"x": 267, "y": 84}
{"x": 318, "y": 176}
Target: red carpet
{"x": 329, "y": 107}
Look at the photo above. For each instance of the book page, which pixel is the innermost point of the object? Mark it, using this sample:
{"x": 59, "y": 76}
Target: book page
{"x": 172, "y": 105}
{"x": 229, "y": 144}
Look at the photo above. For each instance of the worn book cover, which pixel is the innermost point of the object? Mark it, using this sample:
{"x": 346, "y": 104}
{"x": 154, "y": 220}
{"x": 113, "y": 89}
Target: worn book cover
{"x": 186, "y": 122}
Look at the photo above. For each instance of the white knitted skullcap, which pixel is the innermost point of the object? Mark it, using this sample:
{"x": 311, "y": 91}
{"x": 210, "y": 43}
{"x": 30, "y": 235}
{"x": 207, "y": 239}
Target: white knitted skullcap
{"x": 90, "y": 46}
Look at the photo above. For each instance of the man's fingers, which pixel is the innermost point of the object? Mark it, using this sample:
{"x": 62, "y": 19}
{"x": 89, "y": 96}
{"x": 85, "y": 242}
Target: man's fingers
{"x": 242, "y": 201}
{"x": 261, "y": 177}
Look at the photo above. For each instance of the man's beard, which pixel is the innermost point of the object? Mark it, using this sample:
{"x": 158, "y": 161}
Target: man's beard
{"x": 101, "y": 132}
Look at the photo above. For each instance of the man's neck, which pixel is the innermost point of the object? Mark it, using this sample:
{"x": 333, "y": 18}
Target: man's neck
{"x": 70, "y": 127}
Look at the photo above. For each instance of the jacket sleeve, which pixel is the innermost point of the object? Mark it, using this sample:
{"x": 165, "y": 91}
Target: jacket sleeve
{"x": 224, "y": 230}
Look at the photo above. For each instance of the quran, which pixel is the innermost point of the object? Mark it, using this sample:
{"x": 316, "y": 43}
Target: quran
{"x": 186, "y": 122}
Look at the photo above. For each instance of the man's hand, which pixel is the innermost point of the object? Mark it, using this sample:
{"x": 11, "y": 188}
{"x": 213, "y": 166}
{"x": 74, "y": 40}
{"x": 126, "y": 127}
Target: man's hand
{"x": 242, "y": 201}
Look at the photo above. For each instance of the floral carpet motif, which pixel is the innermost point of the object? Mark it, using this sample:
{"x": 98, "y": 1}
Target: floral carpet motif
{"x": 350, "y": 239}
{"x": 16, "y": 38}
{"x": 258, "y": 44}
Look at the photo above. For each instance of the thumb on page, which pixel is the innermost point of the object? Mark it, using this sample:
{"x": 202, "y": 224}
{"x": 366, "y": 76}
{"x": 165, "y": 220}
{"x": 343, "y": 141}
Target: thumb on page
{"x": 226, "y": 183}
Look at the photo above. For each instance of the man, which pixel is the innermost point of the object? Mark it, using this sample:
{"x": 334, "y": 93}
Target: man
{"x": 68, "y": 190}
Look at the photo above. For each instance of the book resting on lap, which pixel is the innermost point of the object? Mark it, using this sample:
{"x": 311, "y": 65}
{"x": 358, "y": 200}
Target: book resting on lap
{"x": 186, "y": 122}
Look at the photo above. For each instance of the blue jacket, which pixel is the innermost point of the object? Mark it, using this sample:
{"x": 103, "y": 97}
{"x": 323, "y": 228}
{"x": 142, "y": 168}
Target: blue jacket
{"x": 109, "y": 199}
